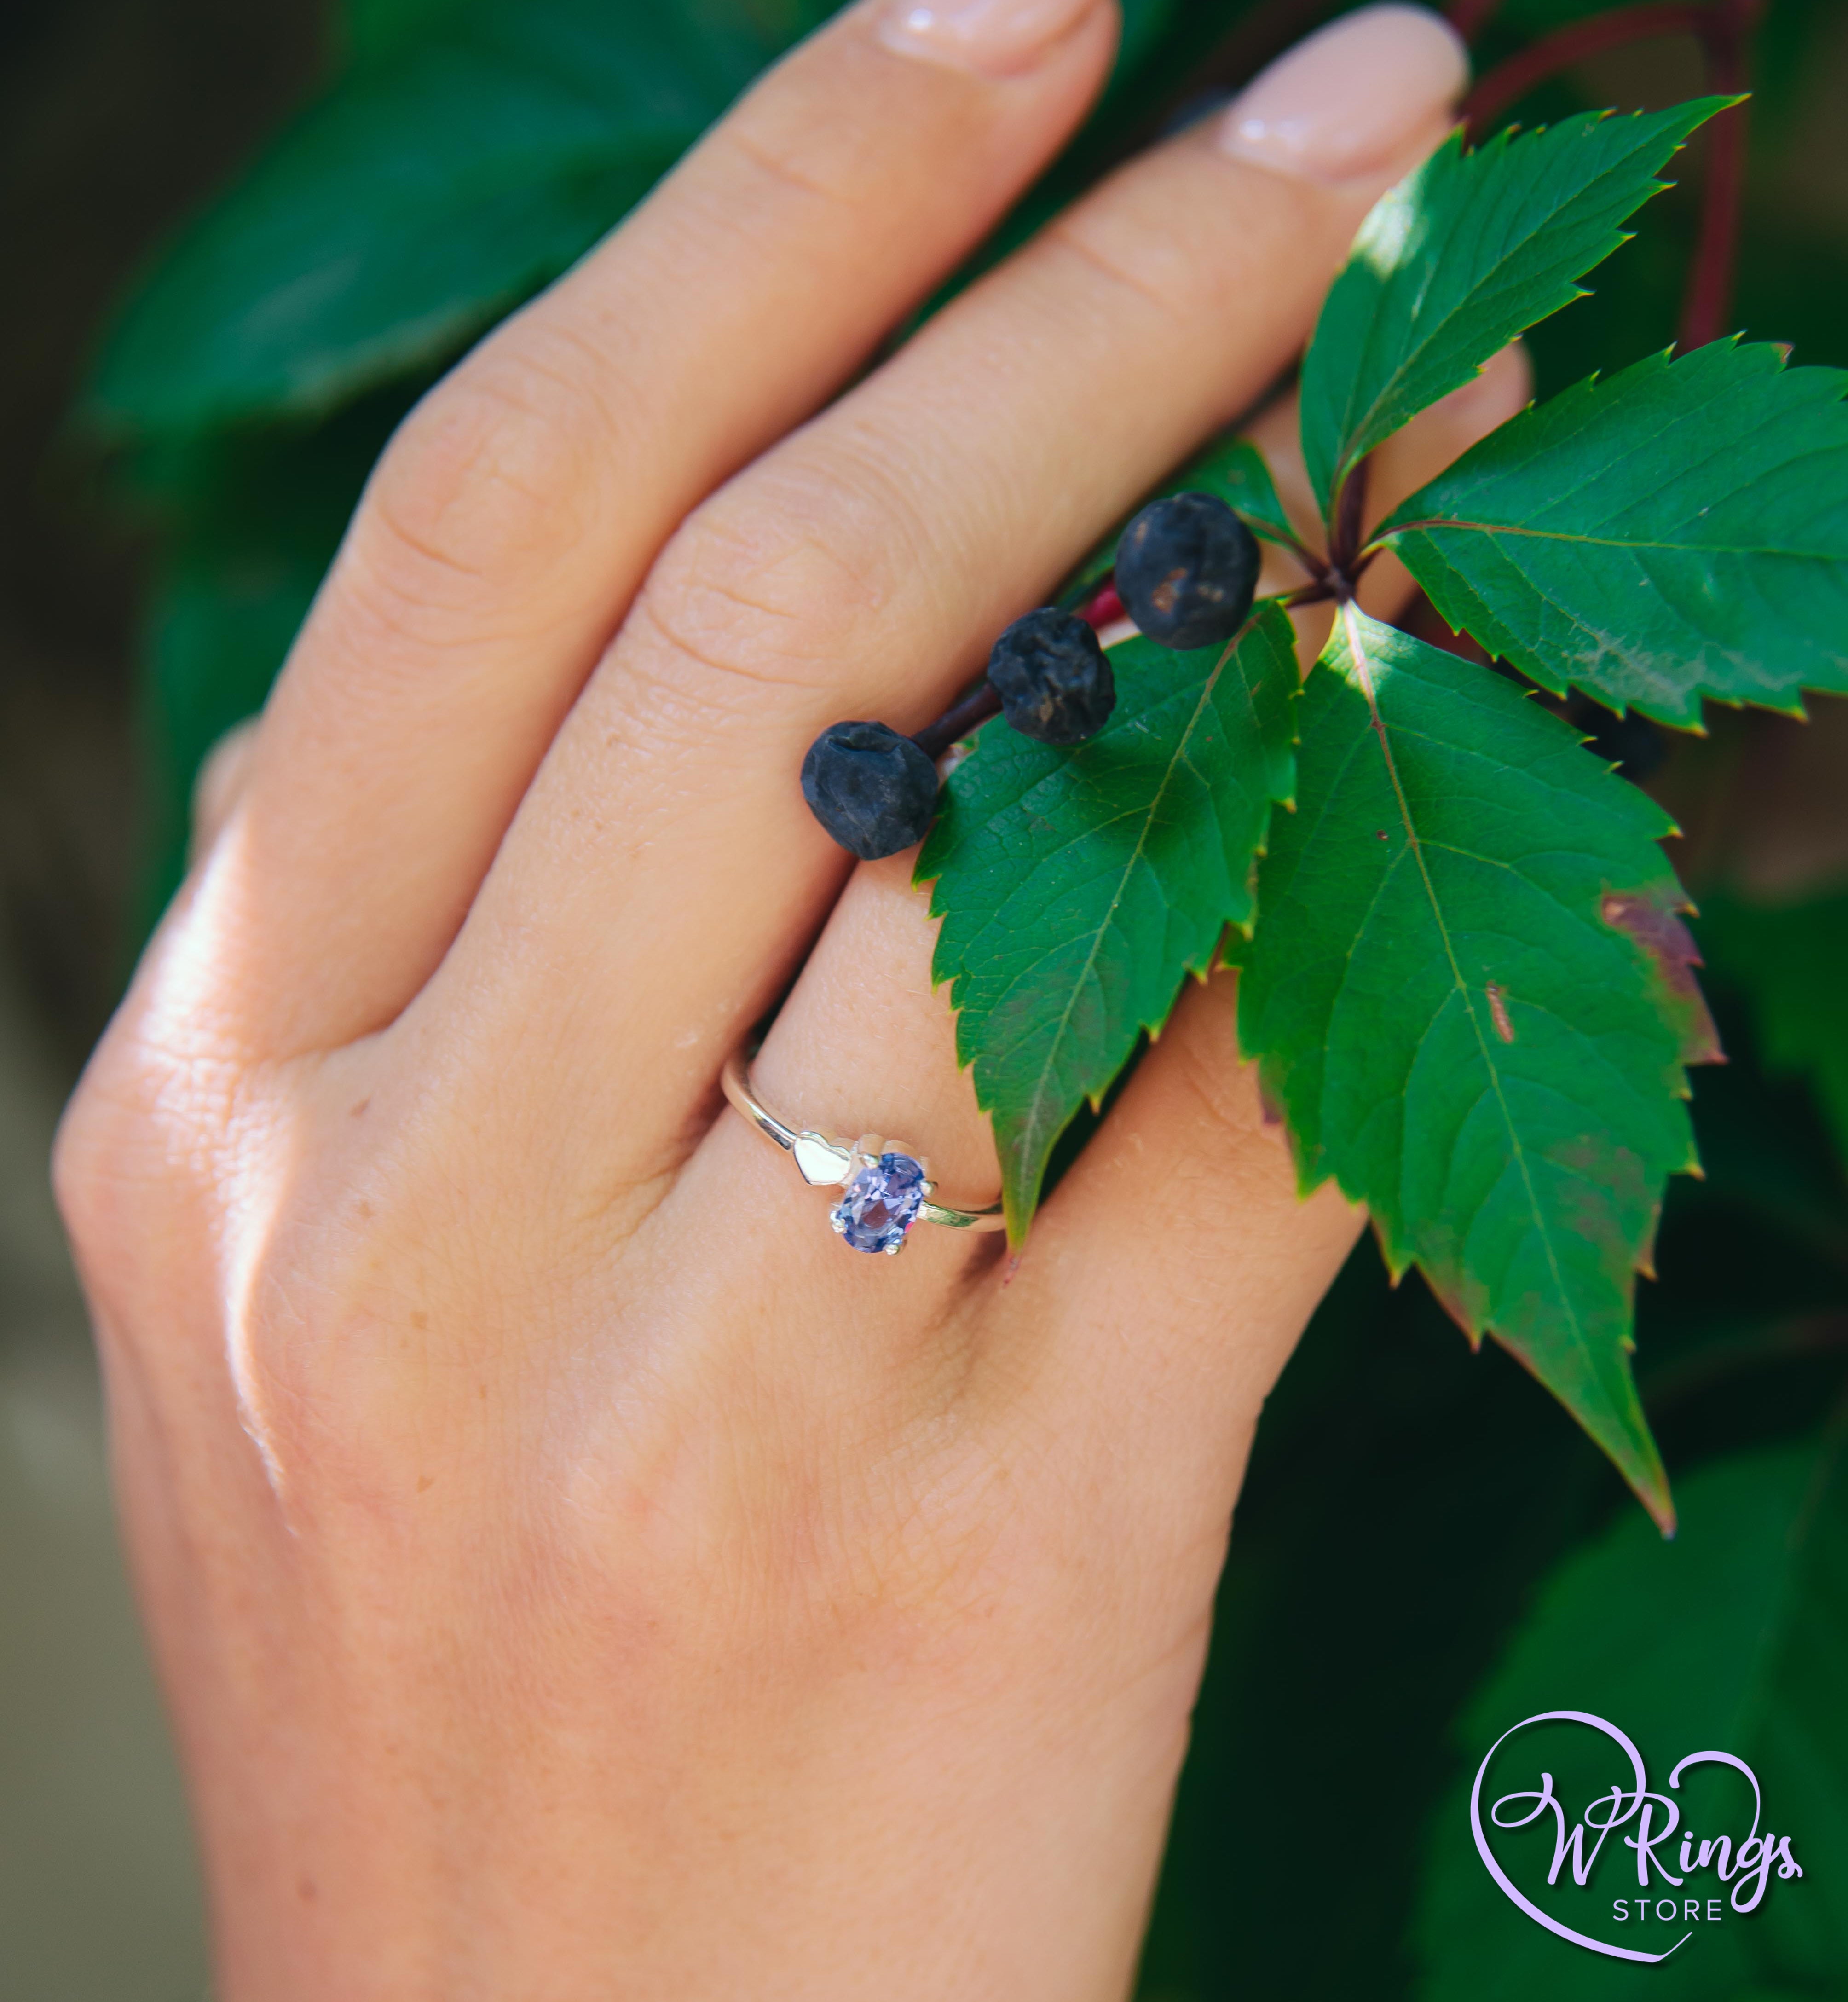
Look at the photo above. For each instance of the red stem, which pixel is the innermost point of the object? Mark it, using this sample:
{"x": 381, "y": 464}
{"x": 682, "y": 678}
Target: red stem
{"x": 1507, "y": 83}
{"x": 1101, "y": 606}
{"x": 956, "y": 723}
{"x": 1344, "y": 544}
{"x": 1726, "y": 37}
{"x": 1724, "y": 29}
{"x": 1470, "y": 17}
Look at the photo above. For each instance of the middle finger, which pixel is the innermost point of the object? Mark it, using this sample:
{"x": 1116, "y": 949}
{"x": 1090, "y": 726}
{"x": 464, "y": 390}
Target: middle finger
{"x": 664, "y": 873}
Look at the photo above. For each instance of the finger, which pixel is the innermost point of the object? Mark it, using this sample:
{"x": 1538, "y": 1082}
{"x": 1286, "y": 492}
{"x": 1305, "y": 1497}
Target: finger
{"x": 501, "y": 538}
{"x": 868, "y": 1048}
{"x": 220, "y": 784}
{"x": 861, "y": 570}
{"x": 1171, "y": 1273}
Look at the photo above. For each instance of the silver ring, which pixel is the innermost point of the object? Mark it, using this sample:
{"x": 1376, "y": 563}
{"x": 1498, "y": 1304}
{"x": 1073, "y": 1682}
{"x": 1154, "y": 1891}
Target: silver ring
{"x": 886, "y": 1186}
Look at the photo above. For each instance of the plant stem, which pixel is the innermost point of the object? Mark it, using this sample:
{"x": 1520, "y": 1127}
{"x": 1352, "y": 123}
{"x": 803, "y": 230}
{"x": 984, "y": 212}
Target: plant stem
{"x": 1509, "y": 82}
{"x": 1470, "y": 17}
{"x": 1724, "y": 30}
{"x": 1304, "y": 555}
{"x": 1101, "y": 606}
{"x": 1726, "y": 37}
{"x": 983, "y": 701}
{"x": 1344, "y": 544}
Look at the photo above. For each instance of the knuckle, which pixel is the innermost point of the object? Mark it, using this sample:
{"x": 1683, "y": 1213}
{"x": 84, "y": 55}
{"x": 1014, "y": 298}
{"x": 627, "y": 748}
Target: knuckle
{"x": 805, "y": 159}
{"x": 1150, "y": 270}
{"x": 780, "y": 582}
{"x": 492, "y": 479}
{"x": 1152, "y": 241}
{"x": 84, "y": 1156}
{"x": 227, "y": 1236}
{"x": 132, "y": 1168}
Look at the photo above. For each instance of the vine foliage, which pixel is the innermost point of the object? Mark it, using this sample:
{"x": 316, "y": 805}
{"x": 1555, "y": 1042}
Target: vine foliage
{"x": 1465, "y": 973}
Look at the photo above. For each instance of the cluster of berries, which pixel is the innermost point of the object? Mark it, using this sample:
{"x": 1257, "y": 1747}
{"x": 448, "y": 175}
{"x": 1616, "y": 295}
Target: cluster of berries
{"x": 1187, "y": 567}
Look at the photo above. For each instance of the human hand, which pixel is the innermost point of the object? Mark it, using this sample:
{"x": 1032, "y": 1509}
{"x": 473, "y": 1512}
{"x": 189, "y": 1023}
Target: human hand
{"x": 572, "y": 1571}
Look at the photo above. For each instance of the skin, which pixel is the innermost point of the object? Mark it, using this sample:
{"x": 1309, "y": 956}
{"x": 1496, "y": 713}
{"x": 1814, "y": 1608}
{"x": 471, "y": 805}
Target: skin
{"x": 571, "y": 1573}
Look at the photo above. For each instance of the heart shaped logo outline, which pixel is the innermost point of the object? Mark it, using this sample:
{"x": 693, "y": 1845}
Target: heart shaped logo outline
{"x": 1513, "y": 1892}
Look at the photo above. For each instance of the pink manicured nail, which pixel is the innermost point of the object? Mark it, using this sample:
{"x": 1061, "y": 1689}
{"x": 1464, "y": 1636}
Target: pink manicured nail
{"x": 1344, "y": 103}
{"x": 995, "y": 37}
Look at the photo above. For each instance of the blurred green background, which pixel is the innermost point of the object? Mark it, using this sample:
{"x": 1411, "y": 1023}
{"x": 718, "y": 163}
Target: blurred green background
{"x": 309, "y": 209}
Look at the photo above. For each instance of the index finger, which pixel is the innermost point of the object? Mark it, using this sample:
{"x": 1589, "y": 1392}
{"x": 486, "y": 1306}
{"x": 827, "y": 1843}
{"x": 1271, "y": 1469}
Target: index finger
{"x": 504, "y": 533}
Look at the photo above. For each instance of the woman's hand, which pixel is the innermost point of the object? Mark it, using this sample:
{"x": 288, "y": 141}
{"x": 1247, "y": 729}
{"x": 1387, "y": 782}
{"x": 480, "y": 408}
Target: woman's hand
{"x": 574, "y": 1573}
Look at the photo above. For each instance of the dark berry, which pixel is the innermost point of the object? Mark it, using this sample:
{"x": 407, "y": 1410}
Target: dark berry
{"x": 873, "y": 790}
{"x": 1053, "y": 677}
{"x": 1186, "y": 568}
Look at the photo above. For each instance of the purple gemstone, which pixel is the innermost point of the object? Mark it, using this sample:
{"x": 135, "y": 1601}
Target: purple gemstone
{"x": 881, "y": 1204}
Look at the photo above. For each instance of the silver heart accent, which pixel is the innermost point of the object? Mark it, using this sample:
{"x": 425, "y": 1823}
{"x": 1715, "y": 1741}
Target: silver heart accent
{"x": 823, "y": 1162}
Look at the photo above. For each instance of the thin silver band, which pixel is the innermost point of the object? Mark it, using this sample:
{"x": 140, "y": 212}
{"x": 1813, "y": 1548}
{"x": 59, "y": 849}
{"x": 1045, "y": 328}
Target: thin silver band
{"x": 828, "y": 1163}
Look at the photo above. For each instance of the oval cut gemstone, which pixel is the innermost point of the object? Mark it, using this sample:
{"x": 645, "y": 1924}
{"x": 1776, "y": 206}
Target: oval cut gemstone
{"x": 881, "y": 1204}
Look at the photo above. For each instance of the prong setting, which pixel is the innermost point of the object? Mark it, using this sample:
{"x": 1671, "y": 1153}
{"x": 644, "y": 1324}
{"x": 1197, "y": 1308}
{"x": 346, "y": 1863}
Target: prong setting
{"x": 886, "y": 1184}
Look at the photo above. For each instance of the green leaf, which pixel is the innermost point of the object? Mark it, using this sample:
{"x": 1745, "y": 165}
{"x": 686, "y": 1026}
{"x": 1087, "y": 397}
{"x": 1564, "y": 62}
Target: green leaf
{"x": 432, "y": 190}
{"x": 1792, "y": 961}
{"x": 1471, "y": 997}
{"x": 1679, "y": 531}
{"x": 1460, "y": 257}
{"x": 1734, "y": 1638}
{"x": 1078, "y": 887}
{"x": 1236, "y": 471}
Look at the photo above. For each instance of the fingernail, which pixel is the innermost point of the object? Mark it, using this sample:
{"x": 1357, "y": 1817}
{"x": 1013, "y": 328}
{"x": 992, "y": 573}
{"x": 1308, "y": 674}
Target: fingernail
{"x": 993, "y": 37}
{"x": 1344, "y": 103}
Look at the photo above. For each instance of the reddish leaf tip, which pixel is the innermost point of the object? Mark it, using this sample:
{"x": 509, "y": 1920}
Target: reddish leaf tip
{"x": 1655, "y": 924}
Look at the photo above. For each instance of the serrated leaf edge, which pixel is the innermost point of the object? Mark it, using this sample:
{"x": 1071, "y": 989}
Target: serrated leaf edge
{"x": 1547, "y": 673}
{"x": 1638, "y": 1460}
{"x": 1498, "y": 145}
{"x": 1018, "y": 1212}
